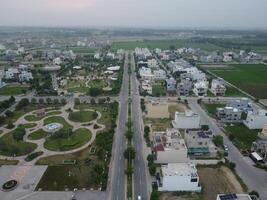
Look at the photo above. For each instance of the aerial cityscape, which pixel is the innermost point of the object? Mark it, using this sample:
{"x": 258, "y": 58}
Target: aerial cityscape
{"x": 133, "y": 100}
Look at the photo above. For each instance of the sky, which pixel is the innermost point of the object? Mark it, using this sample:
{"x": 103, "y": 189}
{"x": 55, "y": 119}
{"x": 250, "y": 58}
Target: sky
{"x": 238, "y": 14}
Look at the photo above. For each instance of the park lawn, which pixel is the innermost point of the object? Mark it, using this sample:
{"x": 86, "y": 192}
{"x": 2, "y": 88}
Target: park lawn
{"x": 58, "y": 178}
{"x": 37, "y": 135}
{"x": 104, "y": 109}
{"x": 211, "y": 108}
{"x": 77, "y": 139}
{"x": 82, "y": 116}
{"x": 10, "y": 90}
{"x": 82, "y": 89}
{"x": 232, "y": 92}
{"x": 241, "y": 136}
{"x": 29, "y": 125}
{"x": 249, "y": 77}
{"x": 98, "y": 83}
{"x": 58, "y": 119}
{"x": 34, "y": 118}
{"x": 158, "y": 90}
{"x": 16, "y": 147}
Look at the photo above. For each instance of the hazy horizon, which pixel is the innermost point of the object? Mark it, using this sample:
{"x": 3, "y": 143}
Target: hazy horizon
{"x": 215, "y": 14}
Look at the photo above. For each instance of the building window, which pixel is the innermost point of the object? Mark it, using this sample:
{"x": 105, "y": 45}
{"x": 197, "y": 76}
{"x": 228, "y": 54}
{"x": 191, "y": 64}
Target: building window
{"x": 194, "y": 180}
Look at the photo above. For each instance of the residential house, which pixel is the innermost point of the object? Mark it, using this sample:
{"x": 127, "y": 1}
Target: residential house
{"x": 159, "y": 74}
{"x": 186, "y": 120}
{"x": 256, "y": 119}
{"x": 217, "y": 87}
{"x": 260, "y": 146}
{"x": 233, "y": 197}
{"x": 171, "y": 85}
{"x": 242, "y": 104}
{"x": 152, "y": 63}
{"x": 25, "y": 76}
{"x": 199, "y": 143}
{"x": 146, "y": 73}
{"x": 201, "y": 88}
{"x": 178, "y": 177}
{"x": 229, "y": 114}
{"x": 12, "y": 73}
{"x": 169, "y": 147}
{"x": 146, "y": 86}
{"x": 184, "y": 87}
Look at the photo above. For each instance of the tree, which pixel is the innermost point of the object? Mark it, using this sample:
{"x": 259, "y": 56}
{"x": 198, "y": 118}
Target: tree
{"x": 77, "y": 101}
{"x": 101, "y": 100}
{"x": 92, "y": 101}
{"x": 33, "y": 101}
{"x": 218, "y": 140}
{"x": 152, "y": 169}
{"x": 129, "y": 134}
{"x": 154, "y": 195}
{"x": 48, "y": 100}
{"x": 150, "y": 158}
{"x": 22, "y": 103}
{"x": 94, "y": 91}
{"x": 9, "y": 113}
{"x": 129, "y": 153}
{"x": 63, "y": 101}
{"x": 12, "y": 99}
{"x": 129, "y": 170}
{"x": 56, "y": 101}
{"x": 199, "y": 101}
{"x": 19, "y": 133}
{"x": 10, "y": 125}
{"x": 41, "y": 100}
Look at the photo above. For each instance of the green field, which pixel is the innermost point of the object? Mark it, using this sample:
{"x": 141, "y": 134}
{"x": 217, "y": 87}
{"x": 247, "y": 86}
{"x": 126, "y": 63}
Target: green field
{"x": 211, "y": 108}
{"x": 77, "y": 139}
{"x": 164, "y": 44}
{"x": 37, "y": 135}
{"x": 158, "y": 90}
{"x": 12, "y": 90}
{"x": 251, "y": 78}
{"x": 82, "y": 116}
{"x": 11, "y": 147}
{"x": 57, "y": 119}
{"x": 241, "y": 136}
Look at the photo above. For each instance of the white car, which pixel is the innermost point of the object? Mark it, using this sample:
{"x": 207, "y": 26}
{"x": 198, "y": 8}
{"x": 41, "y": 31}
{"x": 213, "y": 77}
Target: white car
{"x": 139, "y": 197}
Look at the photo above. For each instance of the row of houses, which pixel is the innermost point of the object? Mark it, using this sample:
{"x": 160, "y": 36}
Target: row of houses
{"x": 19, "y": 74}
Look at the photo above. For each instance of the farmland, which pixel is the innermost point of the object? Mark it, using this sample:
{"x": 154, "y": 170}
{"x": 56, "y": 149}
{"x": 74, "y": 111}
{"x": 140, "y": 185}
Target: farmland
{"x": 249, "y": 77}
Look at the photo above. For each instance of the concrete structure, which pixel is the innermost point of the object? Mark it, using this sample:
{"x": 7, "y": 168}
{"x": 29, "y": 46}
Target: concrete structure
{"x": 201, "y": 88}
{"x": 114, "y": 68}
{"x": 184, "y": 87}
{"x": 186, "y": 120}
{"x": 233, "y": 197}
{"x": 170, "y": 85}
{"x": 229, "y": 115}
{"x": 12, "y": 73}
{"x": 143, "y": 53}
{"x": 152, "y": 64}
{"x": 217, "y": 87}
{"x": 199, "y": 143}
{"x": 179, "y": 177}
{"x": 260, "y": 146}
{"x": 242, "y": 104}
{"x": 256, "y": 119}
{"x": 52, "y": 69}
{"x": 169, "y": 147}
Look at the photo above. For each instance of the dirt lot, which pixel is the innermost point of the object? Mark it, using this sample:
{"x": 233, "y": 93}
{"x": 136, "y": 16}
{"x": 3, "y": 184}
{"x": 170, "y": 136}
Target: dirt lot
{"x": 213, "y": 181}
{"x": 176, "y": 107}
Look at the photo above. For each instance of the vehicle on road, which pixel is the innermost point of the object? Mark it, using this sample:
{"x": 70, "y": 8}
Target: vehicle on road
{"x": 139, "y": 197}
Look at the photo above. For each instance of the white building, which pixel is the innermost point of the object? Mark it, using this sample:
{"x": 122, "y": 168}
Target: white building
{"x": 110, "y": 55}
{"x": 11, "y": 73}
{"x": 179, "y": 177}
{"x": 57, "y": 61}
{"x": 217, "y": 87}
{"x": 169, "y": 147}
{"x": 229, "y": 114}
{"x": 256, "y": 119}
{"x": 97, "y": 56}
{"x": 152, "y": 63}
{"x": 201, "y": 88}
{"x": 146, "y": 73}
{"x": 25, "y": 76}
{"x": 146, "y": 86}
{"x": 159, "y": 74}
{"x": 186, "y": 120}
{"x": 142, "y": 53}
{"x": 233, "y": 197}
{"x": 242, "y": 104}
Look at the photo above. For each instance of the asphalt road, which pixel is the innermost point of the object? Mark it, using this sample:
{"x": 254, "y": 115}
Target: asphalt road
{"x": 140, "y": 168}
{"x": 117, "y": 183}
{"x": 254, "y": 178}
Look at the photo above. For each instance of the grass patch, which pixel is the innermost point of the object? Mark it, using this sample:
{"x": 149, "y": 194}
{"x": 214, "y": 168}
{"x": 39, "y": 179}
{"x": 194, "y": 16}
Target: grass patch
{"x": 8, "y": 162}
{"x": 77, "y": 139}
{"x": 14, "y": 147}
{"x": 158, "y": 90}
{"x": 37, "y": 135}
{"x": 82, "y": 116}
{"x": 248, "y": 77}
{"x": 211, "y": 108}
{"x": 241, "y": 136}
{"x": 158, "y": 124}
{"x": 29, "y": 125}
{"x": 34, "y": 118}
{"x": 10, "y": 90}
